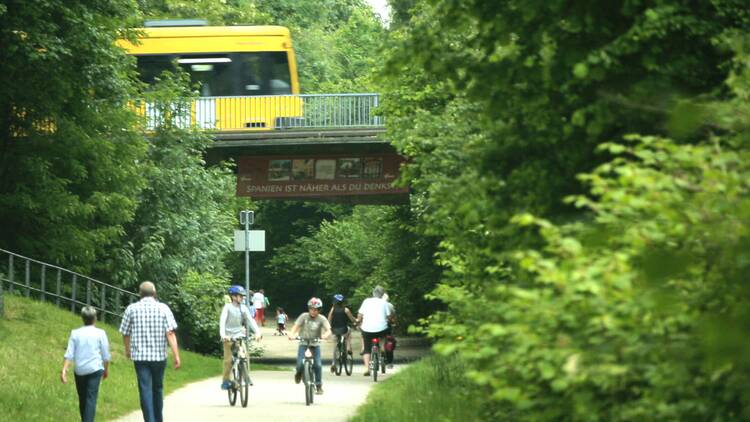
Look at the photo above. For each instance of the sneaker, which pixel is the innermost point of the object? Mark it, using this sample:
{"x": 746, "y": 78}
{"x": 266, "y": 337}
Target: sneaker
{"x": 318, "y": 389}
{"x": 225, "y": 385}
{"x": 333, "y": 368}
{"x": 367, "y": 374}
{"x": 297, "y": 377}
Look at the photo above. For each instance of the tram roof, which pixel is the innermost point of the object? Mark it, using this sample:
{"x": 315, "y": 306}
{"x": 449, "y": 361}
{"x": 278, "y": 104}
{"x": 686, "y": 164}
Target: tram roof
{"x": 214, "y": 31}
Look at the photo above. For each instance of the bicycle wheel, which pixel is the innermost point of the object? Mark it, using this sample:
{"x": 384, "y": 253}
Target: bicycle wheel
{"x": 348, "y": 363}
{"x": 232, "y": 392}
{"x": 244, "y": 384}
{"x": 308, "y": 381}
{"x": 374, "y": 355}
{"x": 337, "y": 359}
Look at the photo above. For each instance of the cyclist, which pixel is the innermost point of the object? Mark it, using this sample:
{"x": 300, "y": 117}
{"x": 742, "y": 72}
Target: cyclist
{"x": 340, "y": 318}
{"x": 372, "y": 318}
{"x": 234, "y": 320}
{"x": 311, "y": 325}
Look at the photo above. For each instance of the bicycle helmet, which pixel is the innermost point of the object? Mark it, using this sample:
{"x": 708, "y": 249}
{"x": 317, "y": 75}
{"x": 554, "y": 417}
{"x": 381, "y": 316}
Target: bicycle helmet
{"x": 237, "y": 290}
{"x": 338, "y": 297}
{"x": 314, "y": 303}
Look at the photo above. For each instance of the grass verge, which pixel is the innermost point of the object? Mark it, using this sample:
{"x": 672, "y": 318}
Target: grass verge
{"x": 33, "y": 339}
{"x": 432, "y": 389}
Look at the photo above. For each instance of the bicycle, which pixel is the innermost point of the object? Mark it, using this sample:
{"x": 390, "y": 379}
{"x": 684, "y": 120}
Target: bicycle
{"x": 308, "y": 369}
{"x": 240, "y": 371}
{"x": 376, "y": 359}
{"x": 342, "y": 358}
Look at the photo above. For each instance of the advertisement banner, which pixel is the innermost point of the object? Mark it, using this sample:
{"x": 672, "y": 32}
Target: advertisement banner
{"x": 300, "y": 177}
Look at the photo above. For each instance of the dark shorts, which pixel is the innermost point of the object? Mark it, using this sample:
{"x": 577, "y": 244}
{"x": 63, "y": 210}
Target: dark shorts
{"x": 340, "y": 331}
{"x": 367, "y": 338}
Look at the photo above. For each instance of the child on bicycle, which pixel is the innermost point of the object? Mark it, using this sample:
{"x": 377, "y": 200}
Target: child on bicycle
{"x": 281, "y": 319}
{"x": 311, "y": 325}
{"x": 341, "y": 318}
{"x": 234, "y": 321}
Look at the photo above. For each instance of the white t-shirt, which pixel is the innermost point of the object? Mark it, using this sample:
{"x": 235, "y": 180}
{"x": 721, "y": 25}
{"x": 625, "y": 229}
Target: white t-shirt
{"x": 258, "y": 301}
{"x": 375, "y": 312}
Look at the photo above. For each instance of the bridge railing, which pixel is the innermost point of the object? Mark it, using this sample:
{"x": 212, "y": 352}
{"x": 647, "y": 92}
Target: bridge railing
{"x": 270, "y": 112}
{"x": 68, "y": 289}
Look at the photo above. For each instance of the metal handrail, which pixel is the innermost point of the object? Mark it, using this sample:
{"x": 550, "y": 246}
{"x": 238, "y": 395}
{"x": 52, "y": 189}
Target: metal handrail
{"x": 267, "y": 112}
{"x": 96, "y": 292}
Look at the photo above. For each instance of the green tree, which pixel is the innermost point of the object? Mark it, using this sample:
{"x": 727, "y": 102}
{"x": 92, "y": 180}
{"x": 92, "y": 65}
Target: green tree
{"x": 499, "y": 106}
{"x": 186, "y": 214}
{"x": 70, "y": 156}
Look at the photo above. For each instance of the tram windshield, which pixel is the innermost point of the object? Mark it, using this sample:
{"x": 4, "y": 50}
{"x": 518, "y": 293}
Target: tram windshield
{"x": 225, "y": 74}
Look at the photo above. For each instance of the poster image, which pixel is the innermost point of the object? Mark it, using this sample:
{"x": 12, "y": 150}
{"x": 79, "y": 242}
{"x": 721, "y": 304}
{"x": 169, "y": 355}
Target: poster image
{"x": 325, "y": 169}
{"x": 349, "y": 168}
{"x": 279, "y": 170}
{"x": 303, "y": 169}
{"x": 372, "y": 168}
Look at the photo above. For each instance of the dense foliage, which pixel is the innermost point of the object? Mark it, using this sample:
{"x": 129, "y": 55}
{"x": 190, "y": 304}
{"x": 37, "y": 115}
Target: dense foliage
{"x": 70, "y": 157}
{"x": 625, "y": 303}
{"x": 372, "y": 246}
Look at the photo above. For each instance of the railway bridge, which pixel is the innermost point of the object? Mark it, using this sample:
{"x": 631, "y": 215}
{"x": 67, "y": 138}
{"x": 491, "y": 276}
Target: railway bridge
{"x": 332, "y": 148}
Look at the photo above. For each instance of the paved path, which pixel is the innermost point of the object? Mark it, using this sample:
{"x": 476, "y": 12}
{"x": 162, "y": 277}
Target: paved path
{"x": 274, "y": 393}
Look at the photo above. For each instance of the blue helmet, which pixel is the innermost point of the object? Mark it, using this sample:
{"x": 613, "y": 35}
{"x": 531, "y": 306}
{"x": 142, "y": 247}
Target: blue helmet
{"x": 237, "y": 290}
{"x": 338, "y": 297}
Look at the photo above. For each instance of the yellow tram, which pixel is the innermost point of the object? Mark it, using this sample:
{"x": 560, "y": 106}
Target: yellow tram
{"x": 247, "y": 75}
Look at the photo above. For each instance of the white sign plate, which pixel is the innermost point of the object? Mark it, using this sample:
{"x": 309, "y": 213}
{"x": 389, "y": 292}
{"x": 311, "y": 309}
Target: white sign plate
{"x": 257, "y": 241}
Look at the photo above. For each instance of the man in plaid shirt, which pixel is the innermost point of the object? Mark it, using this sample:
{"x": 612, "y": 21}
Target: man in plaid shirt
{"x": 147, "y": 326}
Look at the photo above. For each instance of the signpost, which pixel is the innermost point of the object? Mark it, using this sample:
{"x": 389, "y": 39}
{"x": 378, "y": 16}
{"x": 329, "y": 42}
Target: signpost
{"x": 247, "y": 218}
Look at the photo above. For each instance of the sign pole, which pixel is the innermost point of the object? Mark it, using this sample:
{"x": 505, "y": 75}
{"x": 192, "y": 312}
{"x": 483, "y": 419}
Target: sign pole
{"x": 246, "y": 218}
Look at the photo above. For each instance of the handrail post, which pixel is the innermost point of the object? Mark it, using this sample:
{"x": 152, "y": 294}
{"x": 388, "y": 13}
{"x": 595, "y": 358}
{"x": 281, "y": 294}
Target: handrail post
{"x": 27, "y": 277}
{"x": 103, "y": 303}
{"x": 44, "y": 283}
{"x": 59, "y": 287}
{"x": 11, "y": 272}
{"x": 73, "y": 296}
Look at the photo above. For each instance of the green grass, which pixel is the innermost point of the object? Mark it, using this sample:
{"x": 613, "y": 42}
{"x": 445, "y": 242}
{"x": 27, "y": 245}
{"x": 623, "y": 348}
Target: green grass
{"x": 33, "y": 339}
{"x": 431, "y": 389}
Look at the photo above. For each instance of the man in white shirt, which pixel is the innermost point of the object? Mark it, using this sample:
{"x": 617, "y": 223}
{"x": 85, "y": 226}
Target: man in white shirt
{"x": 372, "y": 317}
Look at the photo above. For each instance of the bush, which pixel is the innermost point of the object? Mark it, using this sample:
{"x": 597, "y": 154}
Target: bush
{"x": 197, "y": 306}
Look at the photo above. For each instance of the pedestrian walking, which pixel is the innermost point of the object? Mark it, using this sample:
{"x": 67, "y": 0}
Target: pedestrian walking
{"x": 147, "y": 327}
{"x": 259, "y": 303}
{"x": 88, "y": 350}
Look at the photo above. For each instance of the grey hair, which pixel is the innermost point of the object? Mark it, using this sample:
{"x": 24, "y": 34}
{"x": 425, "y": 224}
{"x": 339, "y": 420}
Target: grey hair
{"x": 147, "y": 289}
{"x": 88, "y": 315}
{"x": 378, "y": 291}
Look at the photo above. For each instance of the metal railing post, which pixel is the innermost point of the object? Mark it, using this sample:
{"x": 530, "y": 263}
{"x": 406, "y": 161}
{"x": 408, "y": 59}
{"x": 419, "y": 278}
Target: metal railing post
{"x": 44, "y": 283}
{"x": 103, "y": 303}
{"x": 27, "y": 278}
{"x": 11, "y": 273}
{"x": 73, "y": 295}
{"x": 59, "y": 287}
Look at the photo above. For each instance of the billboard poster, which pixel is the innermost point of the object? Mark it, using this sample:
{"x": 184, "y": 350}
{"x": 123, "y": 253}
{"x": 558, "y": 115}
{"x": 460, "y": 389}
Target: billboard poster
{"x": 300, "y": 177}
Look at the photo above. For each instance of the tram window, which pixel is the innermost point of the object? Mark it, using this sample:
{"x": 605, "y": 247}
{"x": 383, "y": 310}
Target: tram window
{"x": 252, "y": 74}
{"x": 280, "y": 80}
{"x": 150, "y": 67}
{"x": 212, "y": 73}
